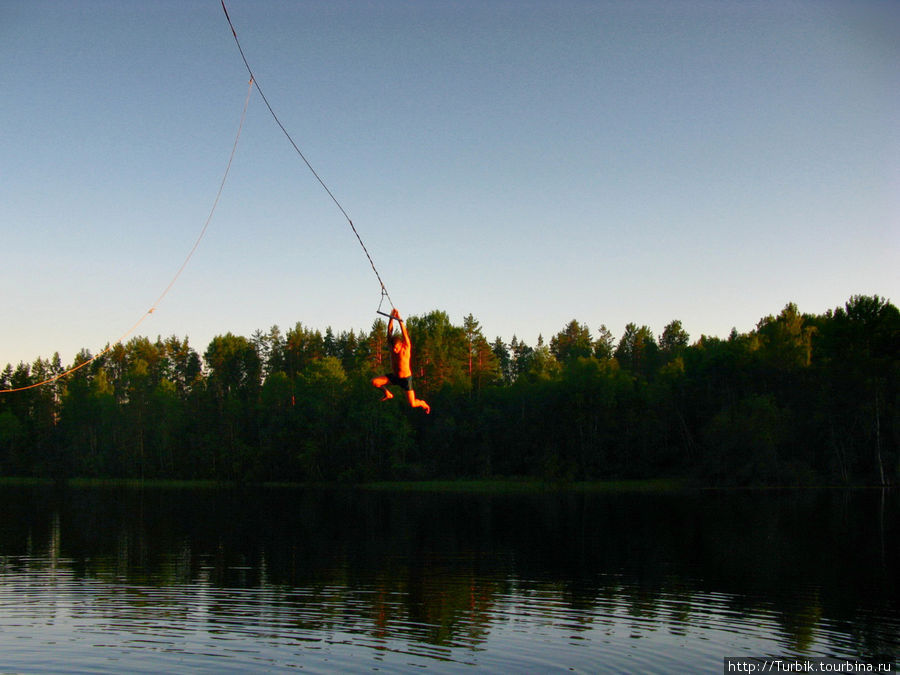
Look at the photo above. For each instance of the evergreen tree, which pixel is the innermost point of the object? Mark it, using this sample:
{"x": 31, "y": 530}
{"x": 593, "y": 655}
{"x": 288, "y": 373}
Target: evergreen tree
{"x": 301, "y": 347}
{"x": 522, "y": 355}
{"x": 637, "y": 350}
{"x": 504, "y": 360}
{"x": 482, "y": 365}
{"x": 674, "y": 340}
{"x": 605, "y": 344}
{"x": 439, "y": 352}
{"x": 573, "y": 342}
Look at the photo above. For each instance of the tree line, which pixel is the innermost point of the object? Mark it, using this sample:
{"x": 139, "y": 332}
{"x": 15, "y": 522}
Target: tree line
{"x": 801, "y": 399}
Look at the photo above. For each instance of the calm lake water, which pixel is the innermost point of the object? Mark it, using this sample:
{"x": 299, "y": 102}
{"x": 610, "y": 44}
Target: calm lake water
{"x": 272, "y": 580}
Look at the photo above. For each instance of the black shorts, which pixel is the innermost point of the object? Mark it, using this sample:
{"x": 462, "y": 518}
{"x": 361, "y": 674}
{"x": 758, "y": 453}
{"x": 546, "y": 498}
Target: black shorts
{"x": 405, "y": 383}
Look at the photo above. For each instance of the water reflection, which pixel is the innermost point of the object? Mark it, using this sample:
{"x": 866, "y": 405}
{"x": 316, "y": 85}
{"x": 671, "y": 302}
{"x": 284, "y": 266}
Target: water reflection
{"x": 273, "y": 578}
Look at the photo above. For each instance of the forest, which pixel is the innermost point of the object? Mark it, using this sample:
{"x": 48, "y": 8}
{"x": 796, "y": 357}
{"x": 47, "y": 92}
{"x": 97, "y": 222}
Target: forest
{"x": 800, "y": 400}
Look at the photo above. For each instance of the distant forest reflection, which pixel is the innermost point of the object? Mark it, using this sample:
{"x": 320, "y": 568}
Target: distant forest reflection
{"x": 446, "y": 565}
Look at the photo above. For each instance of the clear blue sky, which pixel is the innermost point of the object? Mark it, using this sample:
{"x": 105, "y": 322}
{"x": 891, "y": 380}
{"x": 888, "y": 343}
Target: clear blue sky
{"x": 526, "y": 162}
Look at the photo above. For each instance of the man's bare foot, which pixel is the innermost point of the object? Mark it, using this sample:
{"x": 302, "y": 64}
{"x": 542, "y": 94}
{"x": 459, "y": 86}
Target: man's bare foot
{"x": 387, "y": 395}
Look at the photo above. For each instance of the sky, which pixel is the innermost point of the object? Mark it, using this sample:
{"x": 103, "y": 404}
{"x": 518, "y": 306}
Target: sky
{"x": 528, "y": 163}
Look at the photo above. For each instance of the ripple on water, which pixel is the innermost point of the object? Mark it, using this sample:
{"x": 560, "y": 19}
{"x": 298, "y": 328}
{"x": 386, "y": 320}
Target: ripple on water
{"x": 52, "y": 620}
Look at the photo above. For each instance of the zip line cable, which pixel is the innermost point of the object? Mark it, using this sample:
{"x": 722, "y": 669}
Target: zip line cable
{"x": 384, "y": 293}
{"x": 155, "y": 305}
{"x": 168, "y": 288}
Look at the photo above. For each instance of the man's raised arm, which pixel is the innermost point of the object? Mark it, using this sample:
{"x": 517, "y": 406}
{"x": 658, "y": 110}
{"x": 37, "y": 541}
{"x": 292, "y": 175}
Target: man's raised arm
{"x": 405, "y": 334}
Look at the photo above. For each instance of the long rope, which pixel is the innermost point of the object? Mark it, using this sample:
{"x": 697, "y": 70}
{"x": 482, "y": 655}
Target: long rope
{"x": 384, "y": 292}
{"x": 153, "y": 307}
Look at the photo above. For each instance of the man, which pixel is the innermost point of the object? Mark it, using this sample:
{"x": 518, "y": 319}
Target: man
{"x": 401, "y": 350}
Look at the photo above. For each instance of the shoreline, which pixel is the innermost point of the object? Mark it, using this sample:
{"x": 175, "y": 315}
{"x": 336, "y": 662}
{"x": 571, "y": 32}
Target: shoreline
{"x": 471, "y": 486}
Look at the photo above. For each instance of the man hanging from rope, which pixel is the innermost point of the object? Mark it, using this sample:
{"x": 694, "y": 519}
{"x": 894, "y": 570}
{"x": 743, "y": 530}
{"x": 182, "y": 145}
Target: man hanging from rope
{"x": 401, "y": 350}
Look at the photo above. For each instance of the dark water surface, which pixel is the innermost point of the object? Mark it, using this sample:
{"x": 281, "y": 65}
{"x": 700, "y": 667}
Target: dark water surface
{"x": 205, "y": 580}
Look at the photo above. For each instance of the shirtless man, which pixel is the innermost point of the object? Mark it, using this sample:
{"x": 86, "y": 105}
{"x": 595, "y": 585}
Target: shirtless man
{"x": 401, "y": 350}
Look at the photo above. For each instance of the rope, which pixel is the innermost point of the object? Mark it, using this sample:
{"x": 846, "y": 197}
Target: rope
{"x": 155, "y": 305}
{"x": 384, "y": 292}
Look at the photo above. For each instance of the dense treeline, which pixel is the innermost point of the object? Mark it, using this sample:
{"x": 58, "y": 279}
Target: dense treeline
{"x": 800, "y": 399}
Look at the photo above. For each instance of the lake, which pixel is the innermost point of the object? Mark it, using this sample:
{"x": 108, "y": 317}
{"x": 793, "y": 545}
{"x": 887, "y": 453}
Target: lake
{"x": 181, "y": 580}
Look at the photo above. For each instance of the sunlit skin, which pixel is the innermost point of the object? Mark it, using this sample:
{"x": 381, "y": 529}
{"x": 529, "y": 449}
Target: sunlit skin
{"x": 401, "y": 351}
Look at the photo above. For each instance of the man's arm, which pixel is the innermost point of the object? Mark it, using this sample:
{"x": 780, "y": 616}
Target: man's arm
{"x": 390, "y": 329}
{"x": 405, "y": 334}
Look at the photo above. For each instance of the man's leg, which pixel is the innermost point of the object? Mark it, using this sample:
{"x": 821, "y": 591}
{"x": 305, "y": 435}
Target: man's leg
{"x": 381, "y": 382}
{"x": 417, "y": 402}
